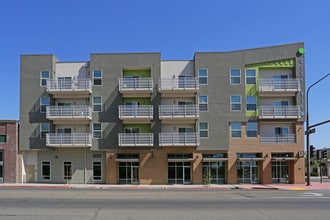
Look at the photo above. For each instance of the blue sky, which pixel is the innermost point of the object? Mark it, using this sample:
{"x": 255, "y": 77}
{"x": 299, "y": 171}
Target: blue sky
{"x": 72, "y": 29}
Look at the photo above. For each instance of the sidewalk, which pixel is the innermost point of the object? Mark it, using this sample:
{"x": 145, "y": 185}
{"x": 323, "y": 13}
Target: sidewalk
{"x": 313, "y": 186}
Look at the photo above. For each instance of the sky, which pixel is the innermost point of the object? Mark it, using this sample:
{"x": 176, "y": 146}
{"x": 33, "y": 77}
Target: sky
{"x": 72, "y": 29}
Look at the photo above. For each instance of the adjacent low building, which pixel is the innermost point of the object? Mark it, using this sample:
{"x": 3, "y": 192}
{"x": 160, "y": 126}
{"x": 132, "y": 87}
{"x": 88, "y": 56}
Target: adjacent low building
{"x": 132, "y": 118}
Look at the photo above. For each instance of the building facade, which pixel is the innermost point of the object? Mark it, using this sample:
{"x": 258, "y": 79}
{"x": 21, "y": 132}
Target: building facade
{"x": 9, "y": 151}
{"x": 132, "y": 118}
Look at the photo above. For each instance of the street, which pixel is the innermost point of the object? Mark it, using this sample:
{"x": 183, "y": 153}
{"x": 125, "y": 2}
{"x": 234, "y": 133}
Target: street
{"x": 162, "y": 204}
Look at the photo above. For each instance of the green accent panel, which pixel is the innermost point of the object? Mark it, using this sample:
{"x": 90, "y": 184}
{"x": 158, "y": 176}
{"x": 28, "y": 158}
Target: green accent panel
{"x": 144, "y": 128}
{"x": 142, "y": 101}
{"x": 140, "y": 73}
{"x": 287, "y": 63}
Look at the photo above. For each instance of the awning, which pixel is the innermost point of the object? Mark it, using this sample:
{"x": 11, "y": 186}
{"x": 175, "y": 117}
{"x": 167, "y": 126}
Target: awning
{"x": 283, "y": 158}
{"x": 180, "y": 160}
{"x": 251, "y": 159}
{"x": 214, "y": 159}
{"x": 127, "y": 160}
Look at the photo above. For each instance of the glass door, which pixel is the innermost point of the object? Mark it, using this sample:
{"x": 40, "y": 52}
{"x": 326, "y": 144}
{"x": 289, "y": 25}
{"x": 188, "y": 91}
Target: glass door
{"x": 135, "y": 174}
{"x": 187, "y": 173}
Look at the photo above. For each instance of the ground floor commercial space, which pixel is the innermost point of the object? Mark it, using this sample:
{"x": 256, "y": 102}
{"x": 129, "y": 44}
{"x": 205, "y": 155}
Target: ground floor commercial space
{"x": 172, "y": 165}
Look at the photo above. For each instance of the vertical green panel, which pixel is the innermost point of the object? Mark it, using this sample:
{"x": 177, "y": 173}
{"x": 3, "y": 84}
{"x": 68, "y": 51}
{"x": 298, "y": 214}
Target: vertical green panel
{"x": 251, "y": 90}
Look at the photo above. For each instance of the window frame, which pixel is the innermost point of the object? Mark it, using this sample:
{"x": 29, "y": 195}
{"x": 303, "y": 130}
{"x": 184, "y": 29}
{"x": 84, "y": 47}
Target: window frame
{"x": 251, "y": 104}
{"x": 94, "y": 104}
{"x": 43, "y": 80}
{"x": 202, "y": 77}
{"x": 98, "y": 77}
{"x": 4, "y": 138}
{"x": 205, "y": 130}
{"x": 249, "y": 78}
{"x": 43, "y": 107}
{"x": 42, "y": 131}
{"x": 67, "y": 177}
{"x": 100, "y": 136}
{"x": 235, "y": 130}
{"x": 235, "y": 103}
{"x": 251, "y": 130}
{"x": 42, "y": 170}
{"x": 232, "y": 77}
{"x": 200, "y": 104}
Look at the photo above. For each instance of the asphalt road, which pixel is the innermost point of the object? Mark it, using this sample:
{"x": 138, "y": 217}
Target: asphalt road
{"x": 162, "y": 204}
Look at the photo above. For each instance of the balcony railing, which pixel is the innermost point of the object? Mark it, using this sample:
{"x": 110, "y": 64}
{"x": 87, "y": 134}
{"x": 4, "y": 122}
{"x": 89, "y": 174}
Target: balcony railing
{"x": 283, "y": 85}
{"x": 278, "y": 112}
{"x": 188, "y": 84}
{"x": 69, "y": 140}
{"x": 281, "y": 139}
{"x": 136, "y": 112}
{"x": 69, "y": 112}
{"x": 135, "y": 84}
{"x": 57, "y": 85}
{"x": 135, "y": 139}
{"x": 179, "y": 139}
{"x": 178, "y": 111}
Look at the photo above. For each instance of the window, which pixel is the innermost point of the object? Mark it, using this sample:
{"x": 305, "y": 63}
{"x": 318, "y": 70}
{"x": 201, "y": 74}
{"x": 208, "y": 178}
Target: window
{"x": 235, "y": 103}
{"x": 44, "y": 102}
{"x": 236, "y": 129}
{"x": 45, "y": 170}
{"x": 235, "y": 76}
{"x": 97, "y": 130}
{"x": 251, "y": 129}
{"x": 97, "y": 170}
{"x": 202, "y": 76}
{"x": 3, "y": 138}
{"x": 251, "y": 103}
{"x": 203, "y": 129}
{"x": 97, "y": 77}
{"x": 281, "y": 131}
{"x": 203, "y": 103}
{"x": 250, "y": 76}
{"x": 44, "y": 129}
{"x": 44, "y": 76}
{"x": 97, "y": 103}
{"x": 67, "y": 169}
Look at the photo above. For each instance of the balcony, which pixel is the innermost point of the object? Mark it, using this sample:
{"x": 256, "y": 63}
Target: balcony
{"x": 178, "y": 113}
{"x": 281, "y": 139}
{"x": 75, "y": 88}
{"x": 284, "y": 87}
{"x": 135, "y": 139}
{"x": 69, "y": 140}
{"x": 69, "y": 114}
{"x": 136, "y": 114}
{"x": 179, "y": 139}
{"x": 182, "y": 87}
{"x": 280, "y": 112}
{"x": 135, "y": 87}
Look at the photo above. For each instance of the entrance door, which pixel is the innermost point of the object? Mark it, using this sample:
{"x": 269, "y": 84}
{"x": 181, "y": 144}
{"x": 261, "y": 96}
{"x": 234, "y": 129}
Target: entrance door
{"x": 247, "y": 172}
{"x": 135, "y": 174}
{"x": 280, "y": 172}
{"x": 1, "y": 166}
{"x": 187, "y": 173}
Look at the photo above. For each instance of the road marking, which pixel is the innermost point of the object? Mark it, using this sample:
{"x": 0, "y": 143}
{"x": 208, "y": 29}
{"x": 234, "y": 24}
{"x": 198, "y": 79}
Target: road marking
{"x": 311, "y": 195}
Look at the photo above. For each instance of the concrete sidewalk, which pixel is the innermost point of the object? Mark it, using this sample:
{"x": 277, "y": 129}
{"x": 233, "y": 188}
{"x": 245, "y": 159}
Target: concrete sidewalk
{"x": 313, "y": 186}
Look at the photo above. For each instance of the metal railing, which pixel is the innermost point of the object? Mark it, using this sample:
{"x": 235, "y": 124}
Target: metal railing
{"x": 179, "y": 139}
{"x": 131, "y": 111}
{"x": 69, "y": 140}
{"x": 267, "y": 85}
{"x": 280, "y": 111}
{"x": 133, "y": 84}
{"x": 136, "y": 139}
{"x": 189, "y": 83}
{"x": 79, "y": 112}
{"x": 178, "y": 111}
{"x": 281, "y": 139}
{"x": 83, "y": 84}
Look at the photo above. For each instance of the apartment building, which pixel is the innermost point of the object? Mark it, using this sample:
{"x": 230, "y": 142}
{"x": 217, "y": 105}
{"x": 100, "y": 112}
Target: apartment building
{"x": 132, "y": 118}
{"x": 9, "y": 151}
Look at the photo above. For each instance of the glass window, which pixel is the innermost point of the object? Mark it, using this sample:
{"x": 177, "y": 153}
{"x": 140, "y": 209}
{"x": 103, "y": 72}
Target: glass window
{"x": 203, "y": 129}
{"x": 251, "y": 129}
{"x": 203, "y": 103}
{"x": 281, "y": 131}
{"x": 97, "y": 77}
{"x": 251, "y": 103}
{"x": 3, "y": 138}
{"x": 250, "y": 76}
{"x": 235, "y": 103}
{"x": 44, "y": 129}
{"x": 235, "y": 76}
{"x": 97, "y": 130}
{"x": 236, "y": 129}
{"x": 67, "y": 168}
{"x": 202, "y": 76}
{"x": 45, "y": 170}
{"x": 44, "y": 102}
{"x": 97, "y": 103}
{"x": 44, "y": 76}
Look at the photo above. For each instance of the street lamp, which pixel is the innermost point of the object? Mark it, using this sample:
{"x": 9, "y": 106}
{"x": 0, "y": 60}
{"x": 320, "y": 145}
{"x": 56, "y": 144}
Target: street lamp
{"x": 309, "y": 130}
